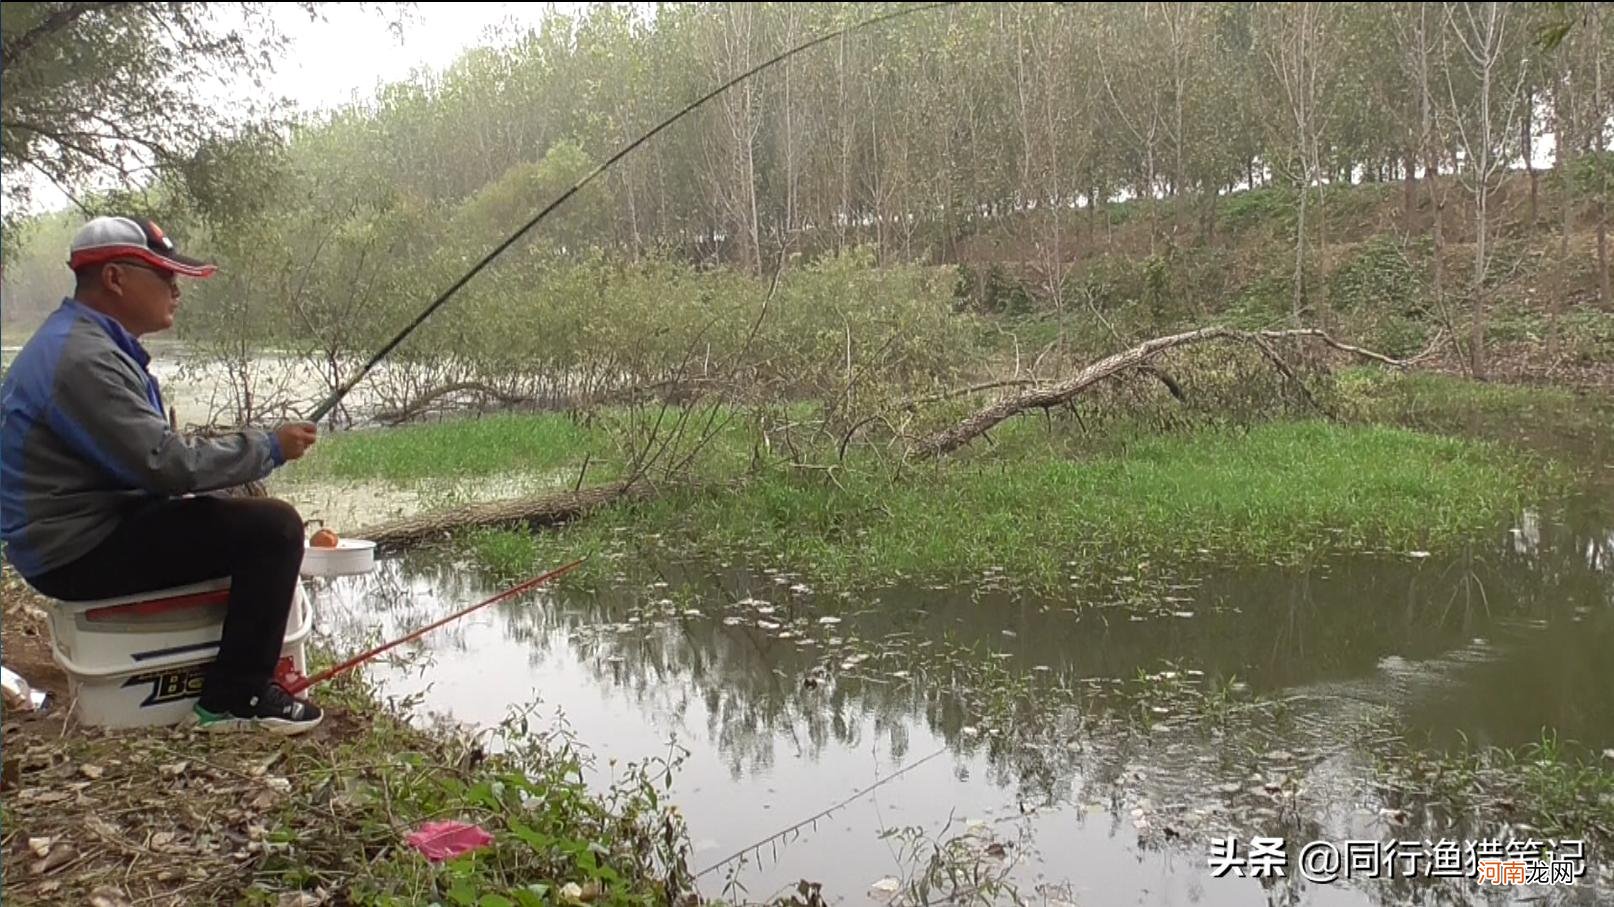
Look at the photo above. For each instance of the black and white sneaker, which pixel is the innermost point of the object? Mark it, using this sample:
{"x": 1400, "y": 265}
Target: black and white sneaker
{"x": 273, "y": 710}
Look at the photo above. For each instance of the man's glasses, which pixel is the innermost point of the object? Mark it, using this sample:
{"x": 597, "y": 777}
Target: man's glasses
{"x": 169, "y": 277}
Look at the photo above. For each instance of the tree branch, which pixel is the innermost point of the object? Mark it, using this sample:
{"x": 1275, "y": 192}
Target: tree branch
{"x": 55, "y": 22}
{"x": 1053, "y": 395}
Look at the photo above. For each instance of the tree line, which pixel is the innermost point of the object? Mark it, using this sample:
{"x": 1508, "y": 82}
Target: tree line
{"x": 911, "y": 137}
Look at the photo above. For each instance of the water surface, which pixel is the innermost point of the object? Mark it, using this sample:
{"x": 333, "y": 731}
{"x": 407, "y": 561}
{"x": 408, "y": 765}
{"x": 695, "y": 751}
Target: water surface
{"x": 1108, "y": 790}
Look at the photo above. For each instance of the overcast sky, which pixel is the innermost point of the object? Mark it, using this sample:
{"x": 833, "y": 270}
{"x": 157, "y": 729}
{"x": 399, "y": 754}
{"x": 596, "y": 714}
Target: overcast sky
{"x": 353, "y": 52}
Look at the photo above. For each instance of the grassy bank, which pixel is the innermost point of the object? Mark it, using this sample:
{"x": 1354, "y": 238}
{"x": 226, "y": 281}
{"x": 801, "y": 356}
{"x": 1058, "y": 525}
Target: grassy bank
{"x": 1545, "y": 417}
{"x": 463, "y": 448}
{"x": 1561, "y": 788}
{"x": 1279, "y": 492}
{"x": 510, "y": 443}
{"x": 1047, "y": 504}
{"x": 168, "y": 815}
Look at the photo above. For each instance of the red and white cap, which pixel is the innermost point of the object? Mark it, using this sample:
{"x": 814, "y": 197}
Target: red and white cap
{"x": 106, "y": 238}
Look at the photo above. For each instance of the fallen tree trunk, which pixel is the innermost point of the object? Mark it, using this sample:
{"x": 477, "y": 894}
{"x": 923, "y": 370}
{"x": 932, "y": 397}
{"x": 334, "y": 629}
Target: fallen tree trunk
{"x": 1045, "y": 397}
{"x": 424, "y": 402}
{"x": 548, "y": 510}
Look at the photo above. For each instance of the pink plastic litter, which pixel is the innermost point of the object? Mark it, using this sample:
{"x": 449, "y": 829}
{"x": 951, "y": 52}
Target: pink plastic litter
{"x": 441, "y": 840}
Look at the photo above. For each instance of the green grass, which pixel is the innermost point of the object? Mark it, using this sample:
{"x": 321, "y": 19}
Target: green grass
{"x": 1550, "y": 418}
{"x": 462, "y": 448}
{"x": 1044, "y": 505}
{"x": 1277, "y": 493}
{"x": 1414, "y": 394}
{"x": 1562, "y": 788}
{"x": 470, "y": 448}
{"x": 624, "y": 846}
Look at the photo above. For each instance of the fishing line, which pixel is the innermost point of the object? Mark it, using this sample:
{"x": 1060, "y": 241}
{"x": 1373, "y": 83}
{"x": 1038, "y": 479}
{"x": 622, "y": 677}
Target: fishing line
{"x": 337, "y": 395}
{"x": 811, "y": 819}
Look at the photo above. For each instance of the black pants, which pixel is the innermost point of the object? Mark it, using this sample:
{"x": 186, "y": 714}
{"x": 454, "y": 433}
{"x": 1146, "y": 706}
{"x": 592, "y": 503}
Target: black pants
{"x": 256, "y": 542}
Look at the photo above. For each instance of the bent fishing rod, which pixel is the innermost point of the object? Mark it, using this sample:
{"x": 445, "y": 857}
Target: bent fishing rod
{"x": 297, "y": 686}
{"x": 336, "y": 396}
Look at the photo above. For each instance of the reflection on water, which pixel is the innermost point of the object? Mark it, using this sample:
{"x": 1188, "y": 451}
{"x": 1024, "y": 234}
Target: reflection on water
{"x": 1095, "y": 799}
{"x": 786, "y": 705}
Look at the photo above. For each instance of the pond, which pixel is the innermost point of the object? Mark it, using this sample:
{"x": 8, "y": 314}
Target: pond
{"x": 1089, "y": 749}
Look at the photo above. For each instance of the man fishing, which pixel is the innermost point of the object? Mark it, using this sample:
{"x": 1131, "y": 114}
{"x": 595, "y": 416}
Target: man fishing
{"x": 100, "y": 498}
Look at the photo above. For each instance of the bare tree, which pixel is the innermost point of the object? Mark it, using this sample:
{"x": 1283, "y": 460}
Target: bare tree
{"x": 1138, "y": 105}
{"x": 1567, "y": 136}
{"x": 1422, "y": 41}
{"x": 1056, "y": 151}
{"x": 1298, "y": 56}
{"x": 737, "y": 183}
{"x": 1185, "y": 41}
{"x": 1485, "y": 128}
{"x": 1596, "y": 43}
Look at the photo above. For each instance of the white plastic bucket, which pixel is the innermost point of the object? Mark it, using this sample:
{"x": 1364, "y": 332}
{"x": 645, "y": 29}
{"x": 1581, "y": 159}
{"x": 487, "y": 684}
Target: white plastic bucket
{"x": 133, "y": 669}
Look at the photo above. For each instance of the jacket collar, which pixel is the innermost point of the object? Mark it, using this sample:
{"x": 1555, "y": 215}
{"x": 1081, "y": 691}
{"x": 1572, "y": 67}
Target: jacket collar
{"x": 125, "y": 340}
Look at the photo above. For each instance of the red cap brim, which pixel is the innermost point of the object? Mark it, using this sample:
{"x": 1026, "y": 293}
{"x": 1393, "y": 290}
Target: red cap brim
{"x": 187, "y": 267}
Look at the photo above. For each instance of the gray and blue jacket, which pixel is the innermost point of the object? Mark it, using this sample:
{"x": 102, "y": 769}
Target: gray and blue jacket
{"x": 84, "y": 441}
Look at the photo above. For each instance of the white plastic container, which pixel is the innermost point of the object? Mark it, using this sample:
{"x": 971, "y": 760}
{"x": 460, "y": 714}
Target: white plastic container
{"x": 350, "y": 557}
{"x": 140, "y": 660}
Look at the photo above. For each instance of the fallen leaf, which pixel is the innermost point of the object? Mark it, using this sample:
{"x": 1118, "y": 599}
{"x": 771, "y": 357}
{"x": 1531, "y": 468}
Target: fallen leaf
{"x": 51, "y": 796}
{"x": 59, "y": 856}
{"x": 40, "y": 846}
{"x": 92, "y": 772}
{"x": 571, "y": 891}
{"x": 257, "y": 771}
{"x": 885, "y": 888}
{"x": 102, "y": 827}
{"x": 108, "y": 896}
{"x": 279, "y": 784}
{"x": 301, "y": 899}
{"x": 163, "y": 838}
{"x": 174, "y": 769}
{"x": 50, "y": 887}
